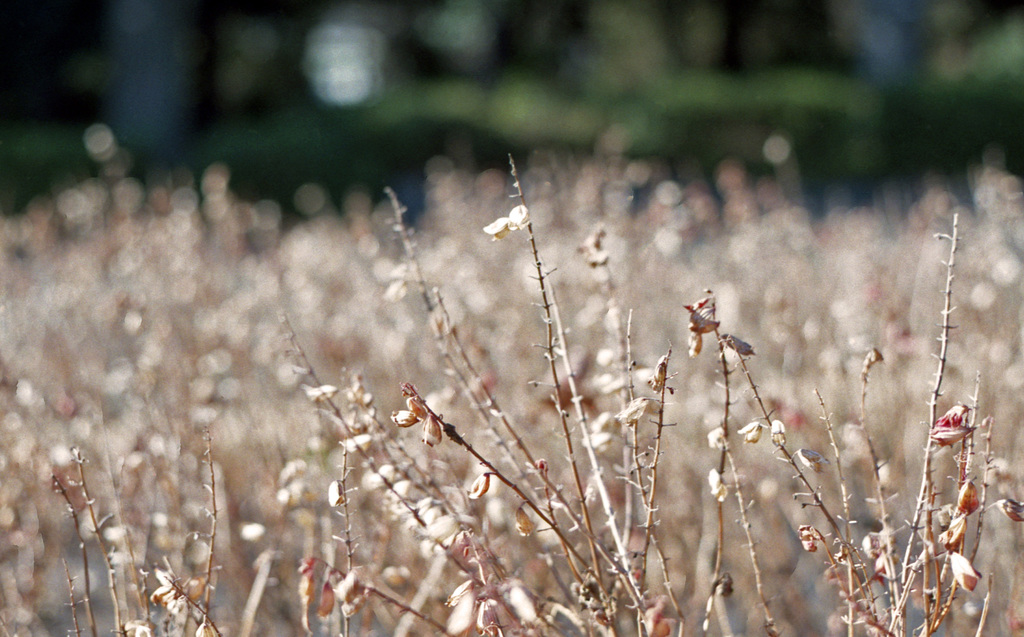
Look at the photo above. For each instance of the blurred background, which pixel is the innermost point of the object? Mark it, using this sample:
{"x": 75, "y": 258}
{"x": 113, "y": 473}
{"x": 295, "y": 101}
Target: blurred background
{"x": 352, "y": 96}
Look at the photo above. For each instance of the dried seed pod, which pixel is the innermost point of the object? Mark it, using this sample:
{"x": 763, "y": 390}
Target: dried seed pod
{"x": 431, "y": 431}
{"x": 1012, "y": 509}
{"x": 336, "y": 493}
{"x": 524, "y": 525}
{"x": 352, "y": 593}
{"x": 702, "y": 316}
{"x": 695, "y": 343}
{"x": 967, "y": 501}
{"x": 953, "y": 537}
{"x": 751, "y": 432}
{"x": 404, "y": 418}
{"x": 206, "y": 630}
{"x": 521, "y": 603}
{"x": 779, "y": 433}
{"x": 480, "y": 486}
{"x": 657, "y": 380}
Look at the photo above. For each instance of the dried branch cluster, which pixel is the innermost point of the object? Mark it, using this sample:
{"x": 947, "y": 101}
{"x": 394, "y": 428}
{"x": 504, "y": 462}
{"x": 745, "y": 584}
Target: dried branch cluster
{"x": 365, "y": 428}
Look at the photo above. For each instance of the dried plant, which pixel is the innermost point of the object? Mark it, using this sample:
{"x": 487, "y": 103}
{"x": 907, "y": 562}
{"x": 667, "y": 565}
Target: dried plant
{"x": 255, "y": 429}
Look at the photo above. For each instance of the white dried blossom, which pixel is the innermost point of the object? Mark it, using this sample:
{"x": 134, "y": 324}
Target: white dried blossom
{"x": 718, "y": 488}
{"x": 519, "y": 218}
{"x": 751, "y": 432}
{"x": 499, "y": 228}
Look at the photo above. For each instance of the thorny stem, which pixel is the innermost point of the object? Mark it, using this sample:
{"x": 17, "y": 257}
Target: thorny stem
{"x": 650, "y": 496}
{"x": 489, "y": 405}
{"x": 442, "y": 328}
{"x": 769, "y": 620}
{"x": 96, "y": 526}
{"x": 826, "y": 418}
{"x": 81, "y": 544}
{"x": 71, "y": 595}
{"x": 719, "y": 548}
{"x": 899, "y": 614}
{"x": 851, "y": 551}
{"x": 213, "y": 519}
{"x": 886, "y": 535}
{"x": 553, "y": 325}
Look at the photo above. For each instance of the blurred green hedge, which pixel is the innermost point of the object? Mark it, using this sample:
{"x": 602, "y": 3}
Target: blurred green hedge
{"x": 840, "y": 128}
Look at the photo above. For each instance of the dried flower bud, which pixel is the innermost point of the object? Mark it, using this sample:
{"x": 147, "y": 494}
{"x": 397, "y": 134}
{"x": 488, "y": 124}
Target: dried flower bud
{"x": 443, "y": 529}
{"x": 205, "y": 630}
{"x": 542, "y": 466}
{"x": 632, "y": 413}
{"x": 951, "y": 428}
{"x": 694, "y": 344}
{"x": 524, "y": 525}
{"x": 716, "y": 438}
{"x": 480, "y": 486}
{"x": 967, "y": 501}
{"x": 657, "y": 380}
{"x": 809, "y": 537}
{"x": 499, "y": 228}
{"x": 320, "y": 394}
{"x": 953, "y": 537}
{"x": 740, "y": 347}
{"x": 812, "y": 459}
{"x": 1012, "y": 509}
{"x": 519, "y": 217}
{"x": 404, "y": 418}
{"x": 336, "y": 493}
{"x": 779, "y": 433}
{"x": 963, "y": 572}
{"x": 718, "y": 488}
{"x": 751, "y": 432}
{"x": 431, "y": 431}
{"x": 326, "y": 605}
{"x": 873, "y": 357}
{"x": 417, "y": 405}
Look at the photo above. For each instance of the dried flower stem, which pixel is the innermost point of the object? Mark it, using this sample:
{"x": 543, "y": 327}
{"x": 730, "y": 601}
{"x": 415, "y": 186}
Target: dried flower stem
{"x": 923, "y": 496}
{"x": 86, "y": 599}
{"x": 553, "y": 324}
{"x": 72, "y": 604}
{"x": 208, "y": 585}
{"x": 97, "y": 525}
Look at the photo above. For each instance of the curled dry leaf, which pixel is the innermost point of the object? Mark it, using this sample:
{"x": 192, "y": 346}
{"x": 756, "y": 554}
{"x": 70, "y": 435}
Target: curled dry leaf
{"x": 812, "y": 459}
{"x": 963, "y": 571}
{"x": 740, "y": 347}
{"x": 632, "y": 413}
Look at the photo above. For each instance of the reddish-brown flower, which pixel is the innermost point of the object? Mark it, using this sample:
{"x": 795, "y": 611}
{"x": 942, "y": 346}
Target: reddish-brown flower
{"x": 952, "y": 427}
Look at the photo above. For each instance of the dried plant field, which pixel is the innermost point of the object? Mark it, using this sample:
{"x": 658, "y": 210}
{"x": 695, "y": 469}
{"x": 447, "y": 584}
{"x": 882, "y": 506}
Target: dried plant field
{"x": 584, "y": 399}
